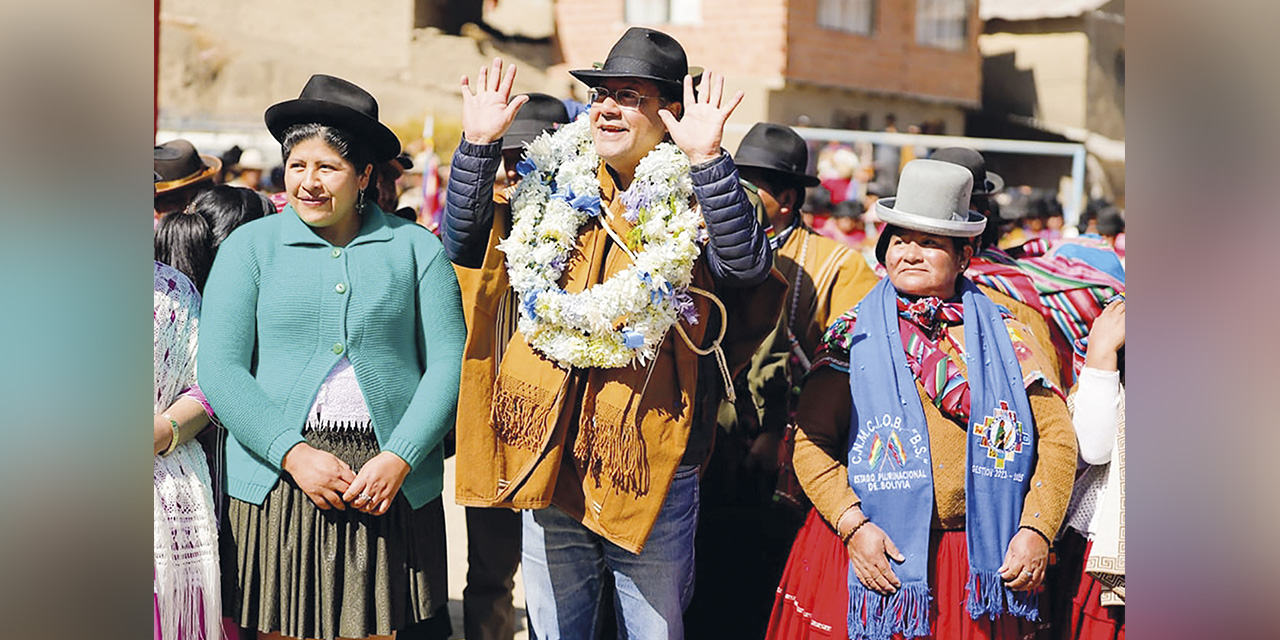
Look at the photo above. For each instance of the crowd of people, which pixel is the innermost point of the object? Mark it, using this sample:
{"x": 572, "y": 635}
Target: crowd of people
{"x": 691, "y": 393}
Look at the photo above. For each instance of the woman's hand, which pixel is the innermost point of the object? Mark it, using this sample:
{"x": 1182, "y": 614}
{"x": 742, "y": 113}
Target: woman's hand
{"x": 870, "y": 550}
{"x": 377, "y": 484}
{"x": 1025, "y": 563}
{"x": 320, "y": 474}
{"x": 486, "y": 114}
{"x": 1106, "y": 337}
{"x": 700, "y": 128}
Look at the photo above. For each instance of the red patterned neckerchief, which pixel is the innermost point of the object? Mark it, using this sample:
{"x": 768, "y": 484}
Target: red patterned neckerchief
{"x": 922, "y": 322}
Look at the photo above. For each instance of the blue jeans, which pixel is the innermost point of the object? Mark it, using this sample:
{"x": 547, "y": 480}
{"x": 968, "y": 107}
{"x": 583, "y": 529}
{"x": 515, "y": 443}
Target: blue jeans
{"x": 564, "y": 563}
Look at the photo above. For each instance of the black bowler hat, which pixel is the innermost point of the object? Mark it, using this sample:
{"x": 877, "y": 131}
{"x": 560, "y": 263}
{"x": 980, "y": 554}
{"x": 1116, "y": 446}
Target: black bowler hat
{"x": 1110, "y": 222}
{"x": 777, "y": 148}
{"x": 335, "y": 102}
{"x": 646, "y": 54}
{"x": 985, "y": 183}
{"x": 541, "y": 113}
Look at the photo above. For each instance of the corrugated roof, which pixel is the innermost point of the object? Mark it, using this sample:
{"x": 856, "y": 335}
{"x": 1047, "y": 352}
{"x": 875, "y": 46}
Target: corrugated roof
{"x": 1035, "y": 9}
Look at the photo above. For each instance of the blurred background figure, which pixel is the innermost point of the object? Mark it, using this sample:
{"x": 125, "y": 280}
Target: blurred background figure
{"x": 887, "y": 159}
{"x": 837, "y": 166}
{"x": 248, "y": 170}
{"x": 385, "y": 189}
{"x": 816, "y": 211}
{"x": 846, "y": 225}
{"x": 1067, "y": 293}
{"x": 226, "y": 207}
{"x": 1098, "y": 244}
{"x": 184, "y": 174}
{"x": 1111, "y": 228}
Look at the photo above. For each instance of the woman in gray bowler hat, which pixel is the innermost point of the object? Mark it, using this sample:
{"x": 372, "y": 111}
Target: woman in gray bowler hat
{"x": 943, "y": 467}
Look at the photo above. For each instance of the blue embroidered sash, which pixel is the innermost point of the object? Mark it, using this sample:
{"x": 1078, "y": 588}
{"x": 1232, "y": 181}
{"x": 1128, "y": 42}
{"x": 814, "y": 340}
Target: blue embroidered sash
{"x": 891, "y": 470}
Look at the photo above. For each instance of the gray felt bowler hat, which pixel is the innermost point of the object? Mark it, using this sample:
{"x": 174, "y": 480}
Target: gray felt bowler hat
{"x": 933, "y": 197}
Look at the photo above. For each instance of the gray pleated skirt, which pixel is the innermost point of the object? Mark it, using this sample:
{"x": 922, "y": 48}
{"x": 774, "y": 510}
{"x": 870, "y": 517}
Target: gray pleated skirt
{"x": 311, "y": 573}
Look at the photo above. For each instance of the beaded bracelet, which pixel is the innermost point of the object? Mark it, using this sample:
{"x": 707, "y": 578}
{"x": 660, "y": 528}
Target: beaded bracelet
{"x": 849, "y": 536}
{"x": 173, "y": 444}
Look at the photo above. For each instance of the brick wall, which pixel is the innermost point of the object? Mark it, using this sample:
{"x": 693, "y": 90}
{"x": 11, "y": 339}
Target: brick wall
{"x": 744, "y": 38}
{"x": 889, "y": 60}
{"x": 775, "y": 40}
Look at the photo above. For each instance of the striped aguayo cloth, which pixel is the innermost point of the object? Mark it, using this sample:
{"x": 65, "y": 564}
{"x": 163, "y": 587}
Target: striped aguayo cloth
{"x": 1069, "y": 293}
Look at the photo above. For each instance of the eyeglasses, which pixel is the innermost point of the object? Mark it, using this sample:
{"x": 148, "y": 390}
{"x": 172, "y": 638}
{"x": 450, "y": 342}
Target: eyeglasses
{"x": 626, "y": 98}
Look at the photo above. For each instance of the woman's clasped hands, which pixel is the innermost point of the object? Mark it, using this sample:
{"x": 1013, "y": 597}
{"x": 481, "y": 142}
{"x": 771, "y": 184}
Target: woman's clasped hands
{"x": 331, "y": 484}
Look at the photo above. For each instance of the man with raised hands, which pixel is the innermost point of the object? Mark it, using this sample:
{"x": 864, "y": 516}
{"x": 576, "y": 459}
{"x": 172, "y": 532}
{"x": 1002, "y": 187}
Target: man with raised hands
{"x": 644, "y": 282}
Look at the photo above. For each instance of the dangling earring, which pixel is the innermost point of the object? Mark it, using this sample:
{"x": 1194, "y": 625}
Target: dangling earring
{"x": 360, "y": 203}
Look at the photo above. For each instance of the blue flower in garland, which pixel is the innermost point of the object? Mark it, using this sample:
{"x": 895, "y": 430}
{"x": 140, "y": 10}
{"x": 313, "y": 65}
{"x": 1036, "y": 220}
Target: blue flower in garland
{"x": 525, "y": 167}
{"x": 528, "y": 304}
{"x": 632, "y": 339}
{"x": 639, "y": 196}
{"x": 589, "y": 205}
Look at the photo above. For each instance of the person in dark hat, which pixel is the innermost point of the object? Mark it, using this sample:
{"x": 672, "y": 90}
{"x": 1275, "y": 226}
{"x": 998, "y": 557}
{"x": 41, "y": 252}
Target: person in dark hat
{"x": 540, "y": 114}
{"x": 745, "y": 513}
{"x": 602, "y": 456}
{"x": 331, "y": 348}
{"x": 184, "y": 174}
{"x": 846, "y": 225}
{"x": 816, "y": 210}
{"x": 383, "y": 189}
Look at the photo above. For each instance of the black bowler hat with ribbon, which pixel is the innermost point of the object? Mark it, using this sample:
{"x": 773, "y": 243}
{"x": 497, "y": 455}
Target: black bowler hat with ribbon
{"x": 646, "y": 54}
{"x": 178, "y": 164}
{"x": 985, "y": 183}
{"x": 335, "y": 102}
{"x": 776, "y": 148}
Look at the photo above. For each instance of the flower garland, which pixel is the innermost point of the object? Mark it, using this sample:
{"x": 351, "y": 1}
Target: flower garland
{"x": 623, "y": 320}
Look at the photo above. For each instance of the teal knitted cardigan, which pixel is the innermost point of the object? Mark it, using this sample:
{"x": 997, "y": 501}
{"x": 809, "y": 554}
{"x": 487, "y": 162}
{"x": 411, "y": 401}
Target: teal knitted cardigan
{"x": 282, "y": 306}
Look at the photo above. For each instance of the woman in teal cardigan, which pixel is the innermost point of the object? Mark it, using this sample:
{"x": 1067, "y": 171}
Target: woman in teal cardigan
{"x": 331, "y": 350}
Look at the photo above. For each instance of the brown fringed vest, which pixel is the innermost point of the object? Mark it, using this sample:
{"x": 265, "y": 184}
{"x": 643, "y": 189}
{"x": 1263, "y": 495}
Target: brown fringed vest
{"x": 624, "y": 429}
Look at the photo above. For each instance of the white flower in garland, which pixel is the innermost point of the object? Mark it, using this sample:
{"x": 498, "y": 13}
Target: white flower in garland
{"x": 623, "y": 320}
